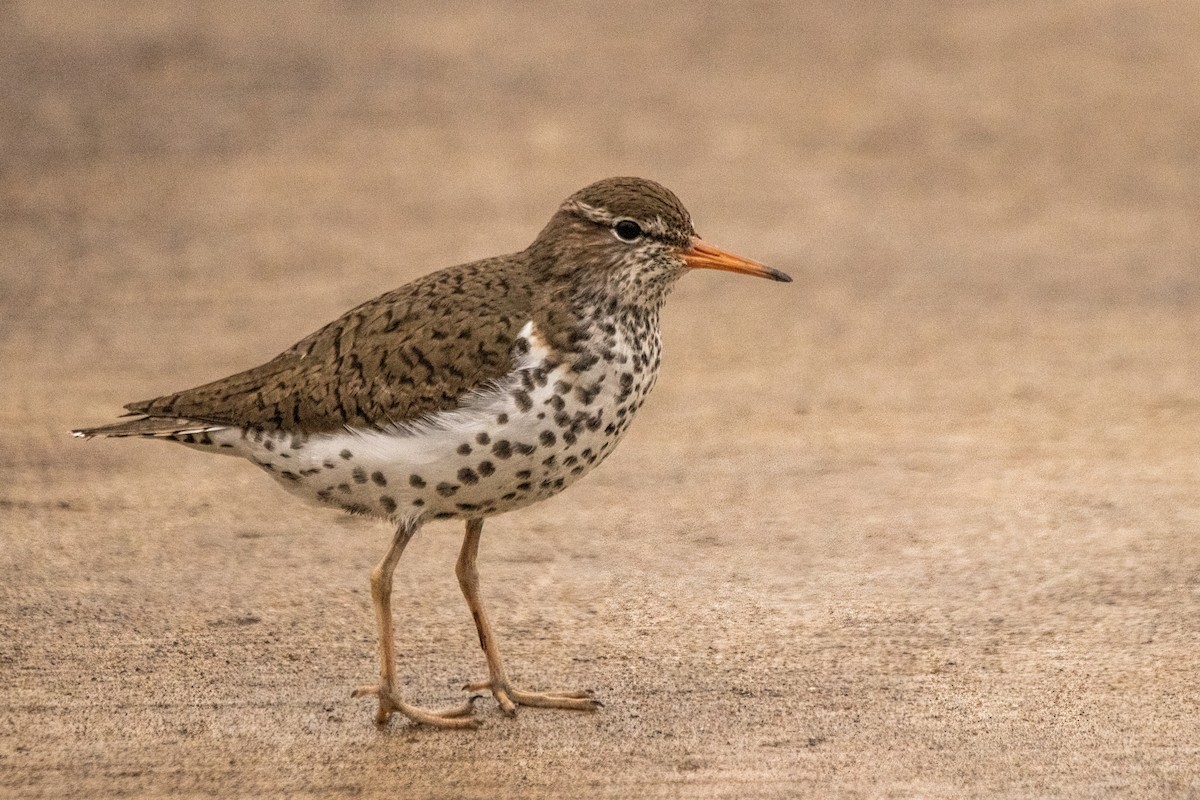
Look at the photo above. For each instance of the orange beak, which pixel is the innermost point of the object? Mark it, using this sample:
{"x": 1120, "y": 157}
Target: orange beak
{"x": 702, "y": 255}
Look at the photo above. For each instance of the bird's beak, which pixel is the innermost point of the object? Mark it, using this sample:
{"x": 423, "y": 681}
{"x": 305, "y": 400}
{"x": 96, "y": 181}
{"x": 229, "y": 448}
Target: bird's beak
{"x": 702, "y": 255}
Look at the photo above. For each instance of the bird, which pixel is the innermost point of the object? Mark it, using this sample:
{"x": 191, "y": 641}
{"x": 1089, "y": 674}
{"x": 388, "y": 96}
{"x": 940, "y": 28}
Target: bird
{"x": 472, "y": 391}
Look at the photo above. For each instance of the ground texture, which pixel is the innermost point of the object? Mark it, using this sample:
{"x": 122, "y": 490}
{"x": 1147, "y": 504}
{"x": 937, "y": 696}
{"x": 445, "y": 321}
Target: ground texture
{"x": 925, "y": 522}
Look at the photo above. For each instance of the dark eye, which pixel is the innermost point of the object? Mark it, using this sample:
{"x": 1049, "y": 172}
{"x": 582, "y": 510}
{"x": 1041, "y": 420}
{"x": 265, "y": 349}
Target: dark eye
{"x": 627, "y": 230}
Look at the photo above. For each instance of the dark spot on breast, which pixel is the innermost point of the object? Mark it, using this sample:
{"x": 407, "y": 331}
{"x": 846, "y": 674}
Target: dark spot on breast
{"x": 464, "y": 449}
{"x": 468, "y": 476}
{"x": 344, "y": 488}
{"x": 388, "y": 503}
{"x": 447, "y": 489}
{"x": 547, "y": 438}
{"x": 324, "y": 494}
{"x": 444, "y": 515}
{"x": 524, "y": 487}
{"x": 328, "y": 465}
{"x": 483, "y": 438}
{"x": 509, "y": 496}
{"x": 524, "y": 449}
{"x": 378, "y": 478}
{"x": 416, "y": 481}
{"x": 309, "y": 471}
{"x": 486, "y": 468}
{"x": 557, "y": 402}
{"x": 523, "y": 400}
{"x": 587, "y": 395}
{"x": 357, "y": 508}
{"x": 584, "y": 362}
{"x": 502, "y": 419}
{"x": 570, "y": 461}
{"x": 227, "y": 445}
{"x": 285, "y": 455}
{"x": 467, "y": 506}
{"x": 359, "y": 474}
{"x": 268, "y": 444}
{"x": 502, "y": 449}
{"x": 569, "y": 437}
{"x": 418, "y": 502}
{"x": 549, "y": 462}
{"x": 346, "y": 454}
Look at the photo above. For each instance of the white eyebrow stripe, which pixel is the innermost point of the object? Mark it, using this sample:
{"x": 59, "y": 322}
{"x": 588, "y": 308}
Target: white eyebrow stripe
{"x": 656, "y": 228}
{"x": 596, "y": 215}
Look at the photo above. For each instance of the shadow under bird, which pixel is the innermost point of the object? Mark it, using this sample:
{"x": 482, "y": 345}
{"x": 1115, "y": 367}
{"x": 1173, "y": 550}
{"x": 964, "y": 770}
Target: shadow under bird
{"x": 471, "y": 391}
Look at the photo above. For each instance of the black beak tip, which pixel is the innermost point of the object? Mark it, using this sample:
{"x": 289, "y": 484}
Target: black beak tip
{"x": 782, "y": 277}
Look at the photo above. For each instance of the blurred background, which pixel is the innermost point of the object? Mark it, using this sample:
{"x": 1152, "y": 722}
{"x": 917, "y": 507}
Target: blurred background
{"x": 923, "y": 521}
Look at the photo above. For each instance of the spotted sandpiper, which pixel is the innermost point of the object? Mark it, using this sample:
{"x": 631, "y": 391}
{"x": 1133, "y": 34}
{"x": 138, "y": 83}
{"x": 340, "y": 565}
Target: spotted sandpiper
{"x": 472, "y": 391}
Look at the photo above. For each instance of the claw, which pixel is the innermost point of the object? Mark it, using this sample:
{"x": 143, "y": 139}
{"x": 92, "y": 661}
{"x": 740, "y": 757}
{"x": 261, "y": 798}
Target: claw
{"x": 462, "y": 710}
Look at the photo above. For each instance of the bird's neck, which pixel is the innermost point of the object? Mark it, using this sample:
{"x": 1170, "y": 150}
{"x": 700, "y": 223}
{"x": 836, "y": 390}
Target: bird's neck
{"x": 607, "y": 324}
{"x": 577, "y": 319}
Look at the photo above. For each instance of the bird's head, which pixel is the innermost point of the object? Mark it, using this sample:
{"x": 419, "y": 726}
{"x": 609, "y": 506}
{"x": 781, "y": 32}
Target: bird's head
{"x": 634, "y": 235}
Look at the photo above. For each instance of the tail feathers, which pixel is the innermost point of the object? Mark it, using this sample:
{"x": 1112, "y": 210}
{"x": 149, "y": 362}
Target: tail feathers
{"x": 161, "y": 427}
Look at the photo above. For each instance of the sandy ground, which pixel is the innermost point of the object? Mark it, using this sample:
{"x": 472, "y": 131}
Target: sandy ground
{"x": 923, "y": 523}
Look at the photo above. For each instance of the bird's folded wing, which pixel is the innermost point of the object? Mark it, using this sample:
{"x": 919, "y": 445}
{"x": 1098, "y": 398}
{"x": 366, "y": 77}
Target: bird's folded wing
{"x": 413, "y": 351}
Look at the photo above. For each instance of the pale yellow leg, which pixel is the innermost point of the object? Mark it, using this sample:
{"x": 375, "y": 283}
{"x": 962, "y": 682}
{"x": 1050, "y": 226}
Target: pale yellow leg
{"x": 506, "y": 695}
{"x": 390, "y": 700}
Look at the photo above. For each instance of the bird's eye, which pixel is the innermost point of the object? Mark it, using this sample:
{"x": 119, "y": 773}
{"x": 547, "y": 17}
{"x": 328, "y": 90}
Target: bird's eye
{"x": 627, "y": 230}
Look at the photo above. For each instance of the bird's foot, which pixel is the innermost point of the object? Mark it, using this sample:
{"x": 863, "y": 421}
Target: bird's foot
{"x": 509, "y": 698}
{"x": 390, "y": 703}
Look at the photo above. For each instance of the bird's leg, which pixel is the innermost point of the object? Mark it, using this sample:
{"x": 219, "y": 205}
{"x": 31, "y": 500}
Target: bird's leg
{"x": 506, "y": 695}
{"x": 389, "y": 698}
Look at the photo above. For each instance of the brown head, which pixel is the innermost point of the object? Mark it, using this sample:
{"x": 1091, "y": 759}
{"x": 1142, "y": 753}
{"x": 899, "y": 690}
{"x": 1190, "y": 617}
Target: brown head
{"x": 633, "y": 233}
